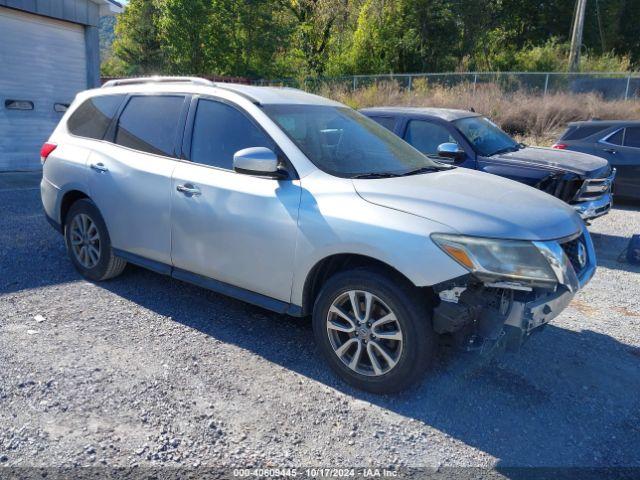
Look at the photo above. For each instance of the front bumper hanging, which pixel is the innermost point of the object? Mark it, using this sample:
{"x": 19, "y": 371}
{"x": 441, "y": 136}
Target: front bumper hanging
{"x": 481, "y": 315}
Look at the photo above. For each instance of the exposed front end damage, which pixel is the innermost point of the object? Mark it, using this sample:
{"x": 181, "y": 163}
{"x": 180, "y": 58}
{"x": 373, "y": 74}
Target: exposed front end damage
{"x": 484, "y": 315}
{"x": 591, "y": 197}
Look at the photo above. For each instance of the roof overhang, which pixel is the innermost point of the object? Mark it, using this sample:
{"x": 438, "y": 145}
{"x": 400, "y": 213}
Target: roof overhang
{"x": 109, "y": 7}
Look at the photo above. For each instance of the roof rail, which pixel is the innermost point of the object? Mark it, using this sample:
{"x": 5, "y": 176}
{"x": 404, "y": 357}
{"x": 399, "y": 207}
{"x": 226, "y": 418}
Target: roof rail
{"x": 157, "y": 79}
{"x": 245, "y": 95}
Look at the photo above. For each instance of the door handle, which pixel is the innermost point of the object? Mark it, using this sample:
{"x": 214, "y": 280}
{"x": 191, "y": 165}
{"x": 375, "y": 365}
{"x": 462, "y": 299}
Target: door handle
{"x": 611, "y": 150}
{"x": 99, "y": 167}
{"x": 188, "y": 189}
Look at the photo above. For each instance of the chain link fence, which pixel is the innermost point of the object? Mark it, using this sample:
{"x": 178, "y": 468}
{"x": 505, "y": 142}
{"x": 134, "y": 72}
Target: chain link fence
{"x": 611, "y": 85}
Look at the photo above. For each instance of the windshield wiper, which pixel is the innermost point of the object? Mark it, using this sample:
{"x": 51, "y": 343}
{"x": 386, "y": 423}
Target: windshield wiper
{"x": 376, "y": 175}
{"x": 505, "y": 150}
{"x": 420, "y": 170}
{"x": 405, "y": 174}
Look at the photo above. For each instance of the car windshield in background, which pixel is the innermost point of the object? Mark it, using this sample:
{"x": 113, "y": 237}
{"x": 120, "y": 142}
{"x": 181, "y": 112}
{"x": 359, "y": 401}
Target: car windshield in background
{"x": 485, "y": 136}
{"x": 344, "y": 143}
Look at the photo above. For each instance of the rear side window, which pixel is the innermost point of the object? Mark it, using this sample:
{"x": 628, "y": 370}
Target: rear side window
{"x": 616, "y": 138}
{"x": 632, "y": 137}
{"x": 427, "y": 136}
{"x": 150, "y": 124}
{"x": 387, "y": 122}
{"x": 581, "y": 131}
{"x": 219, "y": 131}
{"x": 92, "y": 118}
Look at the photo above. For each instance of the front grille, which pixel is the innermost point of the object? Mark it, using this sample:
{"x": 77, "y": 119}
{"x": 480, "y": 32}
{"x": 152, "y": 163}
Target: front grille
{"x": 595, "y": 188}
{"x": 564, "y": 189}
{"x": 576, "y": 190}
{"x": 572, "y": 251}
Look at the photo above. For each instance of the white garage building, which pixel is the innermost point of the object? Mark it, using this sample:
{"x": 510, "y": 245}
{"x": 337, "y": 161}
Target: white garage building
{"x": 49, "y": 51}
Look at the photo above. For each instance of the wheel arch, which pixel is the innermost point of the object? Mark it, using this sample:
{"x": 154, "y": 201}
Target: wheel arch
{"x": 67, "y": 200}
{"x": 332, "y": 264}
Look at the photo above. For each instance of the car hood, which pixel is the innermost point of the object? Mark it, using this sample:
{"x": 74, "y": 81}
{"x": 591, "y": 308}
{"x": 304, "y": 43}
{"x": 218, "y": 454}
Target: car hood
{"x": 475, "y": 203}
{"x": 582, "y": 164}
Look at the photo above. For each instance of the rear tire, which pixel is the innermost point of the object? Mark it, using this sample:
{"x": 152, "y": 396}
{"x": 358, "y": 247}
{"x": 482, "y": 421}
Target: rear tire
{"x": 88, "y": 243}
{"x": 382, "y": 351}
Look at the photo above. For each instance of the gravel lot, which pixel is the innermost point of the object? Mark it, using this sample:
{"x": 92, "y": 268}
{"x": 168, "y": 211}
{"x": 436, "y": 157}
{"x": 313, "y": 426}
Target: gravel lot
{"x": 144, "y": 370}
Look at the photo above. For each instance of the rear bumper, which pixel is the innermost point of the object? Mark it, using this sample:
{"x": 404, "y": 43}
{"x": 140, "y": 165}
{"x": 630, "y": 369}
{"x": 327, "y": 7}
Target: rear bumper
{"x": 594, "y": 208}
{"x": 50, "y": 195}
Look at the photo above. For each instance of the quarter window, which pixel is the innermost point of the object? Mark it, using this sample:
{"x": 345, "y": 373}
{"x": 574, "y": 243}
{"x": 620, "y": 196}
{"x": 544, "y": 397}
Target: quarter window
{"x": 92, "y": 118}
{"x": 427, "y": 136}
{"x": 581, "y": 131}
{"x": 150, "y": 124}
{"x": 219, "y": 131}
{"x": 616, "y": 138}
{"x": 632, "y": 137}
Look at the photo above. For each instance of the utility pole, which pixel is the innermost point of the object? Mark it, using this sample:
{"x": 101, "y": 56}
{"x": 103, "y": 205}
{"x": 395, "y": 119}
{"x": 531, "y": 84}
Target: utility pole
{"x": 576, "y": 35}
{"x": 602, "y": 42}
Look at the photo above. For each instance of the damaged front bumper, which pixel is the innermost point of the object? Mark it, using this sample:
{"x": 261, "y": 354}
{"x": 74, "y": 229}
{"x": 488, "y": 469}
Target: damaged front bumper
{"x": 595, "y": 199}
{"x": 481, "y": 315}
{"x": 531, "y": 312}
{"x": 592, "y": 209}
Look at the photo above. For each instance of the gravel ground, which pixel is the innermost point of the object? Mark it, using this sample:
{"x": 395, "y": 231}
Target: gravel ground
{"x": 145, "y": 370}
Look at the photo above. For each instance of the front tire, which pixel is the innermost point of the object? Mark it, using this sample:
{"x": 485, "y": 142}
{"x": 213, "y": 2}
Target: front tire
{"x": 374, "y": 330}
{"x": 88, "y": 243}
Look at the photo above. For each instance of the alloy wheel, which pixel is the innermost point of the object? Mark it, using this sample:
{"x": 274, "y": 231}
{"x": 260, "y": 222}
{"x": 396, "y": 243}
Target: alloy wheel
{"x": 364, "y": 333}
{"x": 85, "y": 241}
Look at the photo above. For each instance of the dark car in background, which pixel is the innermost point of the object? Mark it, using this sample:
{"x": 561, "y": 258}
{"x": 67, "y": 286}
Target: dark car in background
{"x": 468, "y": 139}
{"x": 616, "y": 141}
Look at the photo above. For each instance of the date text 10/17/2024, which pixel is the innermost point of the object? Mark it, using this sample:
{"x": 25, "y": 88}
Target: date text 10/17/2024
{"x": 315, "y": 472}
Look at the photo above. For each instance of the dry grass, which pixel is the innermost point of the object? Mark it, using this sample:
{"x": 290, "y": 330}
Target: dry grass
{"x": 531, "y": 118}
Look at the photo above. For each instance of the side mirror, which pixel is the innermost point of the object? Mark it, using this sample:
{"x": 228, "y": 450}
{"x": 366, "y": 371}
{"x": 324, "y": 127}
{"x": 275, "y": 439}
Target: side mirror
{"x": 258, "y": 161}
{"x": 450, "y": 151}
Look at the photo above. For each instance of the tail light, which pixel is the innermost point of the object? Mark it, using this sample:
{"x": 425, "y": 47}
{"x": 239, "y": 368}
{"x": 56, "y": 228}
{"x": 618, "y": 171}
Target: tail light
{"x": 46, "y": 150}
{"x": 560, "y": 146}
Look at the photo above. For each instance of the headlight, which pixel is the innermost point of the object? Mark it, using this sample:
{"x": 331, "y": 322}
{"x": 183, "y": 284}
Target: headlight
{"x": 491, "y": 259}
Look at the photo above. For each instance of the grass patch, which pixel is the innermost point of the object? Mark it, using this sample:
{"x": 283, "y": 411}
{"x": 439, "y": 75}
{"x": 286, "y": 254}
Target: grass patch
{"x": 531, "y": 118}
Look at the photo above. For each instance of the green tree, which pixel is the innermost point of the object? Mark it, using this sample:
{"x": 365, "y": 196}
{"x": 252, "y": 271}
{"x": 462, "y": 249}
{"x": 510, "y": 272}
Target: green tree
{"x": 259, "y": 39}
{"x": 195, "y": 35}
{"x": 314, "y": 22}
{"x": 137, "y": 41}
{"x": 274, "y": 38}
{"x": 222, "y": 37}
{"x": 627, "y": 40}
{"x": 405, "y": 36}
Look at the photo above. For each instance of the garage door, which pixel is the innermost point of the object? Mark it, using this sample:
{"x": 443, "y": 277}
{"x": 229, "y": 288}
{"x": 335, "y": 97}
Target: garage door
{"x": 42, "y": 66}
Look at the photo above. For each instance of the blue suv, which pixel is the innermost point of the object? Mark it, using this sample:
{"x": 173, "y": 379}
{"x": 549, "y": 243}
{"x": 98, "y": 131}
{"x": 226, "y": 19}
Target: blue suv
{"x": 468, "y": 139}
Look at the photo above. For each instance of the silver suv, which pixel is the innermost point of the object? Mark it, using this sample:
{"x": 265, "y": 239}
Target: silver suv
{"x": 303, "y": 206}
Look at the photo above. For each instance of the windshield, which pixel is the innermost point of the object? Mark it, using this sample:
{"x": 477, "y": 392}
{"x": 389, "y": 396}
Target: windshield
{"x": 485, "y": 136}
{"x": 344, "y": 143}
